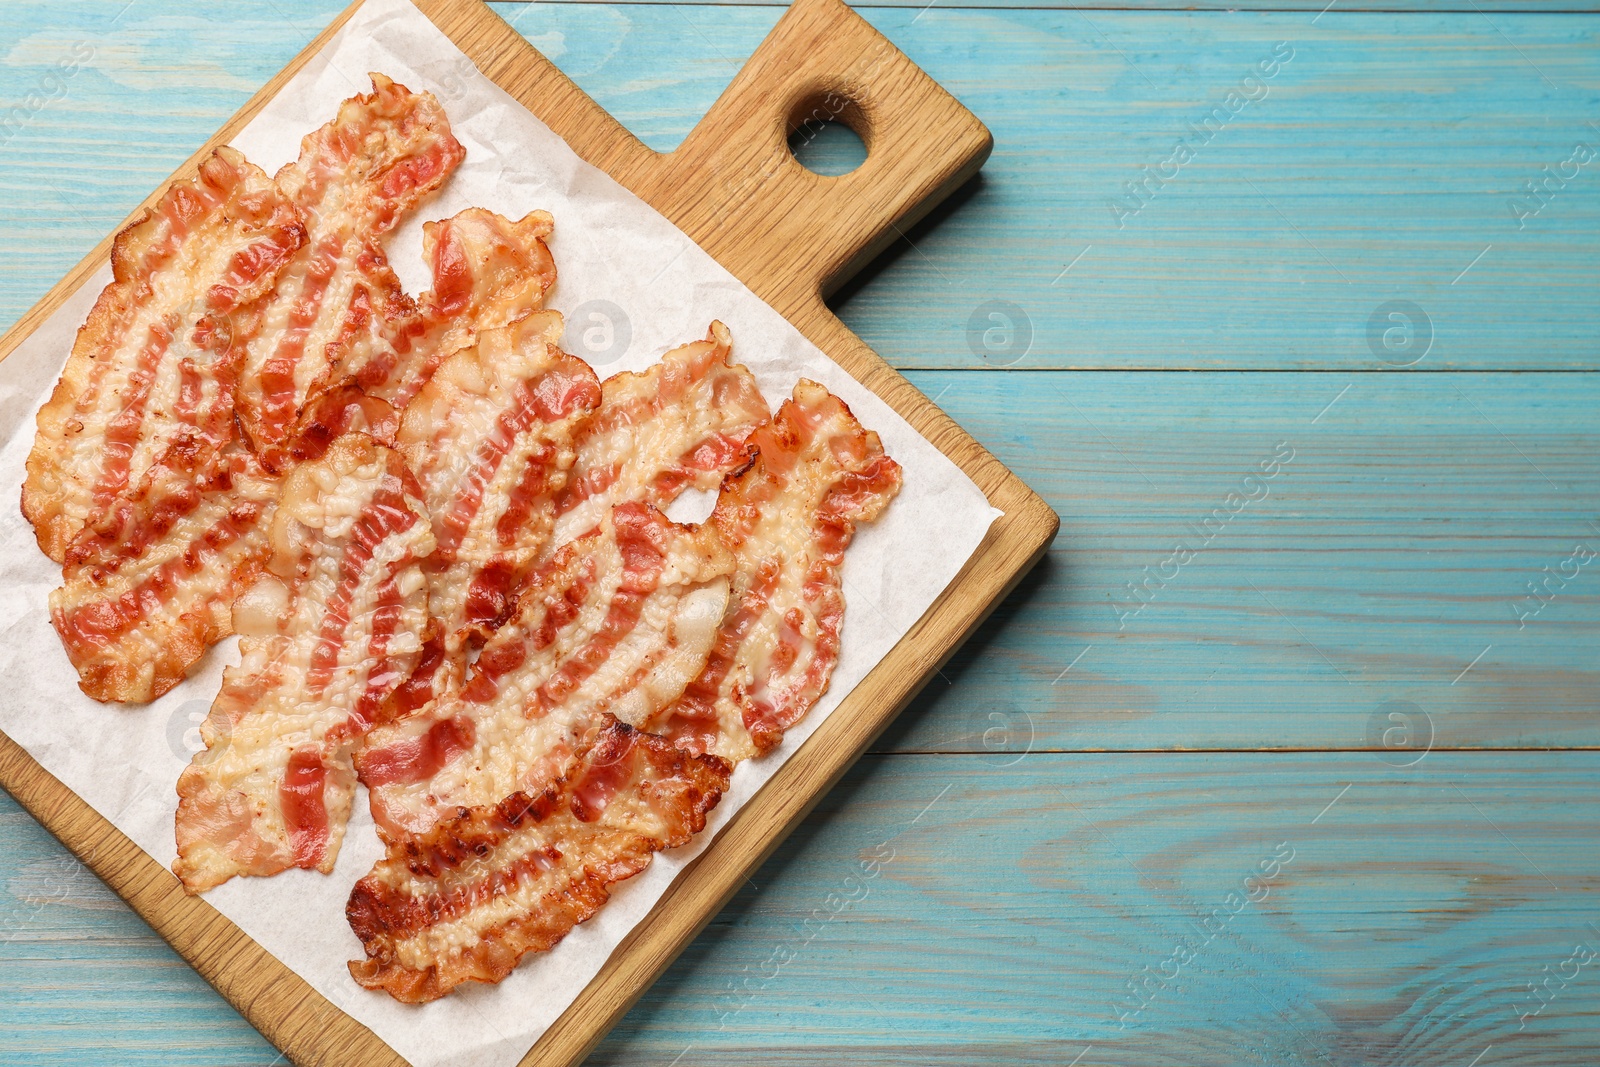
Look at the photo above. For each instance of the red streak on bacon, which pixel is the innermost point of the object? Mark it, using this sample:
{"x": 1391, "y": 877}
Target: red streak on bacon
{"x": 305, "y": 812}
{"x": 354, "y": 179}
{"x": 418, "y": 758}
{"x": 327, "y": 633}
{"x": 680, "y": 423}
{"x": 501, "y": 658}
{"x": 249, "y": 264}
{"x": 467, "y": 900}
{"x": 546, "y": 398}
{"x": 123, "y": 432}
{"x": 534, "y": 486}
{"x": 488, "y": 273}
{"x": 603, "y": 777}
{"x": 189, "y": 390}
{"x": 381, "y": 154}
{"x": 591, "y": 483}
{"x": 491, "y": 437}
{"x": 329, "y": 416}
{"x": 788, "y": 516}
{"x": 639, "y": 540}
{"x": 415, "y": 176}
{"x": 147, "y": 586}
{"x": 388, "y": 514}
{"x": 421, "y": 686}
{"x": 280, "y": 392}
{"x": 141, "y": 376}
{"x": 692, "y": 723}
{"x": 717, "y": 453}
{"x": 98, "y": 623}
{"x": 492, "y": 595}
{"x": 452, "y": 276}
{"x": 384, "y": 675}
{"x": 573, "y": 651}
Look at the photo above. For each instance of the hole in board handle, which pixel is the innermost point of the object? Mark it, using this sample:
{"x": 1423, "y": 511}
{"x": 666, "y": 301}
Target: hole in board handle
{"x": 828, "y": 133}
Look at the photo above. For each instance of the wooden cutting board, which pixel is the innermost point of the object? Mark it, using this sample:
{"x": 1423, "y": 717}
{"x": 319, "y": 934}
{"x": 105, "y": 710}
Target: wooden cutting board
{"x": 791, "y": 236}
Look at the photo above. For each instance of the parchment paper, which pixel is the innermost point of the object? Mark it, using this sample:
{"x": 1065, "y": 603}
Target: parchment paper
{"x": 609, "y": 246}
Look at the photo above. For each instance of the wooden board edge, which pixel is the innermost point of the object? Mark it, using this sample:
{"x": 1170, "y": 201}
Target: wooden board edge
{"x": 274, "y": 999}
{"x": 311, "y": 1030}
{"x": 98, "y": 256}
{"x": 1017, "y": 541}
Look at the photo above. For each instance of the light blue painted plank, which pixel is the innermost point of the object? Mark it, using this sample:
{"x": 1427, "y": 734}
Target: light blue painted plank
{"x": 965, "y": 911}
{"x": 83, "y": 980}
{"x": 1379, "y": 166}
{"x": 1394, "y": 547}
{"x": 1013, "y": 905}
{"x": 657, "y": 68}
{"x": 153, "y": 87}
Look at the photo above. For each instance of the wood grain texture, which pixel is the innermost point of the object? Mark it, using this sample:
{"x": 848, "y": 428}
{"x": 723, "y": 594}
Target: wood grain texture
{"x": 1394, "y": 547}
{"x": 1013, "y": 901}
{"x": 1013, "y": 905}
{"x": 788, "y": 234}
{"x": 1382, "y": 161}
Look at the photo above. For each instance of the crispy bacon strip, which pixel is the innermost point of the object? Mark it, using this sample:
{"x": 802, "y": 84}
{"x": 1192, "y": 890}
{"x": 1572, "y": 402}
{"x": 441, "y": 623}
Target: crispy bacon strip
{"x": 467, "y": 898}
{"x": 680, "y": 424}
{"x": 155, "y": 364}
{"x": 491, "y": 439}
{"x": 150, "y": 582}
{"x": 147, "y": 588}
{"x": 788, "y": 517}
{"x": 336, "y": 411}
{"x": 466, "y": 901}
{"x": 355, "y": 178}
{"x": 617, "y": 622}
{"x": 488, "y": 272}
{"x": 327, "y": 632}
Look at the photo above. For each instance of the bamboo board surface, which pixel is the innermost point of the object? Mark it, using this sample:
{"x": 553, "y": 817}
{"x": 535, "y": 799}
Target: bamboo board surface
{"x": 788, "y": 234}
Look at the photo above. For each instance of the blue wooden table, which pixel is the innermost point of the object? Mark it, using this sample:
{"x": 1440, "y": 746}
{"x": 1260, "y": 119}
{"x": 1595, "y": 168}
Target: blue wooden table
{"x": 1287, "y": 754}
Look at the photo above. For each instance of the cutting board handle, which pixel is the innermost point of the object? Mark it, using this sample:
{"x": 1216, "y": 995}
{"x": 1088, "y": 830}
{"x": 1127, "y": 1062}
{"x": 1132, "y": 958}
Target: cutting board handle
{"x": 774, "y": 217}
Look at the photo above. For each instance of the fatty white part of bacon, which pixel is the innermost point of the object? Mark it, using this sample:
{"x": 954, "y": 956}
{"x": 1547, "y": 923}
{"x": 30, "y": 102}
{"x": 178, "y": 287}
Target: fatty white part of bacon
{"x": 629, "y": 815}
{"x": 719, "y": 399}
{"x": 513, "y": 752}
{"x": 462, "y": 410}
{"x": 267, "y": 709}
{"x": 516, "y": 743}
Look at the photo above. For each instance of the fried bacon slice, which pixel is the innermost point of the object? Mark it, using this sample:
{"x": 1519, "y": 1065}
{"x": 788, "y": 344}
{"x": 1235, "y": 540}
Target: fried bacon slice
{"x": 488, "y": 272}
{"x": 356, "y": 177}
{"x": 149, "y": 584}
{"x": 466, "y": 901}
{"x": 490, "y": 437}
{"x": 617, "y": 622}
{"x": 155, "y": 365}
{"x": 147, "y": 588}
{"x": 788, "y": 517}
{"x": 679, "y": 424}
{"x": 327, "y": 631}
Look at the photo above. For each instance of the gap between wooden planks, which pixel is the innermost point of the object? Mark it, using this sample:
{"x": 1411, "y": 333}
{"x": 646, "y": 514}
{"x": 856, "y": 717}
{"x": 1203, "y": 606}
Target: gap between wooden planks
{"x": 788, "y": 234}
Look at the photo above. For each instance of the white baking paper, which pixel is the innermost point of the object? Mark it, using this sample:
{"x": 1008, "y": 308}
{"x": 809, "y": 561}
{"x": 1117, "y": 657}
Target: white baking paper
{"x": 609, "y": 246}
